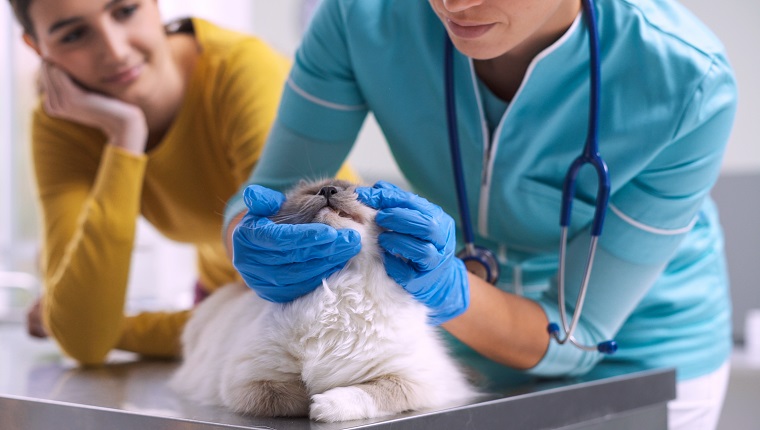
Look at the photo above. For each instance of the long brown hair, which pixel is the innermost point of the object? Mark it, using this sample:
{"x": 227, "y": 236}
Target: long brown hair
{"x": 21, "y": 10}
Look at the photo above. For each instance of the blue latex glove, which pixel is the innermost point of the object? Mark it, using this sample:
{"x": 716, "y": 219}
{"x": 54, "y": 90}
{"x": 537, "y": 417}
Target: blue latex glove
{"x": 282, "y": 262}
{"x": 419, "y": 249}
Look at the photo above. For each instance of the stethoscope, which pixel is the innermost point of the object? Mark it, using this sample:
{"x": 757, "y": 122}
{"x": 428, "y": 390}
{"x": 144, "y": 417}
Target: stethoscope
{"x": 480, "y": 260}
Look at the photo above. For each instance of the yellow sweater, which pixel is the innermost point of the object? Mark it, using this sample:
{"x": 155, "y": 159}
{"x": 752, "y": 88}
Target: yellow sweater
{"x": 92, "y": 193}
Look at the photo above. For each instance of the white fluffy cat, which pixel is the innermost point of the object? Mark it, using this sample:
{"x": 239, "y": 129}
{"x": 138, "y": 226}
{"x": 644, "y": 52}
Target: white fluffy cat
{"x": 357, "y": 347}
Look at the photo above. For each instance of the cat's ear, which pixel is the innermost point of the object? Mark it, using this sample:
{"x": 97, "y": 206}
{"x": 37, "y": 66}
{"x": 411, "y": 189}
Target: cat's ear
{"x": 300, "y": 186}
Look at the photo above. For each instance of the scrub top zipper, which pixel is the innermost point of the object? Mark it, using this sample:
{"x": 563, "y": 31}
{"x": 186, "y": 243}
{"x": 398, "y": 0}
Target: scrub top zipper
{"x": 490, "y": 143}
{"x": 488, "y": 147}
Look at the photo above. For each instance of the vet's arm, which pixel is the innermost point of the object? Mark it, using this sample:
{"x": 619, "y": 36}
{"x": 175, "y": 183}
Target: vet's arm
{"x": 512, "y": 330}
{"x": 319, "y": 117}
{"x": 506, "y": 328}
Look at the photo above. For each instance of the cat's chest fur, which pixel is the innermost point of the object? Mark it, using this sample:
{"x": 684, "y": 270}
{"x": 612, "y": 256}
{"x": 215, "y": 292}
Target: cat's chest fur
{"x": 356, "y": 311}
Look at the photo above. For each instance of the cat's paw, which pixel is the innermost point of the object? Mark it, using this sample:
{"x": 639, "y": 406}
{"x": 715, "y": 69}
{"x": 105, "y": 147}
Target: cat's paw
{"x": 343, "y": 404}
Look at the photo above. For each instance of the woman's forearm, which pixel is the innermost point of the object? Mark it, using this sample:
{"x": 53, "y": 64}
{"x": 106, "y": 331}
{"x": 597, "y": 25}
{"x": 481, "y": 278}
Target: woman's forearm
{"x": 504, "y": 327}
{"x": 89, "y": 244}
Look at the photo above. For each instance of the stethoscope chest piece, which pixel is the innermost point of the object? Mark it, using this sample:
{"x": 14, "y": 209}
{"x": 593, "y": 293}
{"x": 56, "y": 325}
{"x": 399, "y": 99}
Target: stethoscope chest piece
{"x": 481, "y": 262}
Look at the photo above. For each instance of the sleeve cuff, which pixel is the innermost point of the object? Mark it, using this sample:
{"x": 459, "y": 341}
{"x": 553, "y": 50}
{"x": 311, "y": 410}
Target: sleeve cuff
{"x": 235, "y": 206}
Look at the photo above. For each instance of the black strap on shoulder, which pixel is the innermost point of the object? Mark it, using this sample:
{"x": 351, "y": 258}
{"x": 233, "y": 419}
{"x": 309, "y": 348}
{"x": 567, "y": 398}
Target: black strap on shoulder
{"x": 181, "y": 25}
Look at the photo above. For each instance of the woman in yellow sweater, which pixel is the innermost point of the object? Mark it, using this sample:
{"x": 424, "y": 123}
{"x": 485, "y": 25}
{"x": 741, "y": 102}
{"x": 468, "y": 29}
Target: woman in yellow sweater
{"x": 137, "y": 118}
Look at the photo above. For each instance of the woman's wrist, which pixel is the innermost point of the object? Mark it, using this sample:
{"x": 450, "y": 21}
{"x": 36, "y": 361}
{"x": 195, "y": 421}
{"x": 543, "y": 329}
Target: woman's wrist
{"x": 128, "y": 132}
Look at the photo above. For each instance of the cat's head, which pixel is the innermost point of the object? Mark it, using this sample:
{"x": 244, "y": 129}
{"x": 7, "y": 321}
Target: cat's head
{"x": 329, "y": 201}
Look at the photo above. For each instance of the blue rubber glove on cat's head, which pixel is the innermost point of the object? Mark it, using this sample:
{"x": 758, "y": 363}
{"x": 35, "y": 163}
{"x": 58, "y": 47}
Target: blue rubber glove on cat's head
{"x": 282, "y": 262}
{"x": 419, "y": 249}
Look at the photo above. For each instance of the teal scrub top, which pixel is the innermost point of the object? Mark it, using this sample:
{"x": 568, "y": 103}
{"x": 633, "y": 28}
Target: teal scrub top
{"x": 659, "y": 285}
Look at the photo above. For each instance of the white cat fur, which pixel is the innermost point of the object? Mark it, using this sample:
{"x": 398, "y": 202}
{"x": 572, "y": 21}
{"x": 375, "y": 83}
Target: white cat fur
{"x": 360, "y": 344}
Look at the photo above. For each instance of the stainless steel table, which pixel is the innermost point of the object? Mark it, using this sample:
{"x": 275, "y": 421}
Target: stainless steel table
{"x": 41, "y": 390}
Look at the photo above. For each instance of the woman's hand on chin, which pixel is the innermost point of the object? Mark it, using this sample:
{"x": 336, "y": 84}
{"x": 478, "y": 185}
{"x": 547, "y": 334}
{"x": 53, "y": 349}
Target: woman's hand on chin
{"x": 124, "y": 124}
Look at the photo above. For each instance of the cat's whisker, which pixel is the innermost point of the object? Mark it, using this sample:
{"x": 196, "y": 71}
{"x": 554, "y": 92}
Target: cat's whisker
{"x": 298, "y": 217}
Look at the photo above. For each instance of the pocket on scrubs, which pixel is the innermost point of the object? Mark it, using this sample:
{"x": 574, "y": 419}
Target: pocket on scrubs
{"x": 540, "y": 205}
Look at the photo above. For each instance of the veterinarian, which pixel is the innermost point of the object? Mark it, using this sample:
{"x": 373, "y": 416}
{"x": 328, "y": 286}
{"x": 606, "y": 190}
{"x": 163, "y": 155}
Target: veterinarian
{"x": 521, "y": 76}
{"x": 136, "y": 119}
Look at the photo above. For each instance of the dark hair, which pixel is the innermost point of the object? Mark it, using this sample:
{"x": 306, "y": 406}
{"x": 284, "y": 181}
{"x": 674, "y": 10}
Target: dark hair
{"x": 21, "y": 10}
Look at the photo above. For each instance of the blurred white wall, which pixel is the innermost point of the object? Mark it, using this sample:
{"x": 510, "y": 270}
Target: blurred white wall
{"x": 233, "y": 14}
{"x": 736, "y": 24}
{"x": 6, "y": 107}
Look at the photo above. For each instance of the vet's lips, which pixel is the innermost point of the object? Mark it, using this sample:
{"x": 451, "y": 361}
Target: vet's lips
{"x": 468, "y": 30}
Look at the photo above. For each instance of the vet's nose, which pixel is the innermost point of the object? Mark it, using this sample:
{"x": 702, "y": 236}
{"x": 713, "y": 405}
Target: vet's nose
{"x": 328, "y": 192}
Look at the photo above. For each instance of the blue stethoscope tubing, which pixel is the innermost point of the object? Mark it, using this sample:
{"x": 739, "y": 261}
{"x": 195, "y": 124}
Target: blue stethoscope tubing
{"x": 483, "y": 258}
{"x": 477, "y": 259}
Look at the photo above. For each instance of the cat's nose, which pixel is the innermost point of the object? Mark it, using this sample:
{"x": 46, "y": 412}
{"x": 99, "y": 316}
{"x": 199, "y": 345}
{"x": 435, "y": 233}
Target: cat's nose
{"x": 328, "y": 192}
